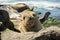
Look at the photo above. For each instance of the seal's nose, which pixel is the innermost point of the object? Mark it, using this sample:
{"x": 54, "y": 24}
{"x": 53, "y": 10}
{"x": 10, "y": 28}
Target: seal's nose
{"x": 30, "y": 18}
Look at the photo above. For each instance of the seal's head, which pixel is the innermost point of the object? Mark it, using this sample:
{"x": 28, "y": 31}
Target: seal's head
{"x": 28, "y": 18}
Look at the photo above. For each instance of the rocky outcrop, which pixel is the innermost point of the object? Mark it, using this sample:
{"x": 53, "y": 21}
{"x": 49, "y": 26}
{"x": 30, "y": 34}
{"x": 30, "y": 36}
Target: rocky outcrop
{"x": 20, "y": 7}
{"x": 4, "y": 19}
{"x": 51, "y": 33}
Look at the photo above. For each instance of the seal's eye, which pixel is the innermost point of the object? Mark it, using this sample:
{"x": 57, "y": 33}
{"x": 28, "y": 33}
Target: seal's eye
{"x": 34, "y": 15}
{"x": 23, "y": 17}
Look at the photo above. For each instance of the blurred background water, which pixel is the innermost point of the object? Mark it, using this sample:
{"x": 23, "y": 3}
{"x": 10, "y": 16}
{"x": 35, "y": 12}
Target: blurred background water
{"x": 55, "y": 13}
{"x": 42, "y": 6}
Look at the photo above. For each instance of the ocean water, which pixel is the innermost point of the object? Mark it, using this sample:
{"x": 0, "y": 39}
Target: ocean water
{"x": 55, "y": 13}
{"x": 45, "y": 6}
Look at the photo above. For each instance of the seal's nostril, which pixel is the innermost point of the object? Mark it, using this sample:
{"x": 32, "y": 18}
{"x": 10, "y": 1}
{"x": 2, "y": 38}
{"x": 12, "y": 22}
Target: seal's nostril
{"x": 23, "y": 17}
{"x": 30, "y": 18}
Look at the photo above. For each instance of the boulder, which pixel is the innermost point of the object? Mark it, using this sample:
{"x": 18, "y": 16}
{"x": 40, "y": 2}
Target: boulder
{"x": 20, "y": 7}
{"x": 51, "y": 33}
{"x": 4, "y": 20}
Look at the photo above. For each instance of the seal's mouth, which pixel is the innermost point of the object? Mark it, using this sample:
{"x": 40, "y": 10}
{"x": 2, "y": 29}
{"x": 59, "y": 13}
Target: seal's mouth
{"x": 31, "y": 22}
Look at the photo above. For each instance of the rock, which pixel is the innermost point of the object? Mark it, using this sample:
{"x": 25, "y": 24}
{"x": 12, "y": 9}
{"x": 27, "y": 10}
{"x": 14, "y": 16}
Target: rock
{"x": 4, "y": 19}
{"x": 14, "y": 9}
{"x": 20, "y": 7}
{"x": 51, "y": 33}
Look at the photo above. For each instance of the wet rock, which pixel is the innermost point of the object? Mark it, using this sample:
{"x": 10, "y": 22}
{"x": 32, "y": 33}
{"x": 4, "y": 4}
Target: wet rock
{"x": 4, "y": 20}
{"x": 20, "y": 7}
{"x": 51, "y": 33}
